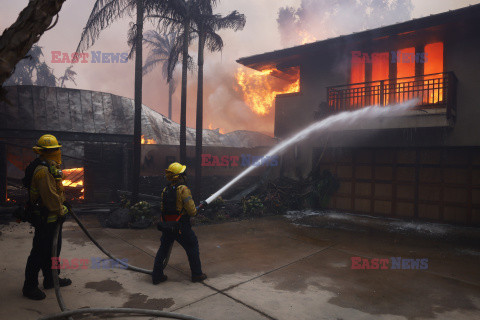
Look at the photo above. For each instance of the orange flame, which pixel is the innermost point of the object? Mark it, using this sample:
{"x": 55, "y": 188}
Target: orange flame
{"x": 259, "y": 90}
{"x": 220, "y": 130}
{"x": 306, "y": 37}
{"x": 73, "y": 172}
{"x": 74, "y": 179}
{"x": 148, "y": 141}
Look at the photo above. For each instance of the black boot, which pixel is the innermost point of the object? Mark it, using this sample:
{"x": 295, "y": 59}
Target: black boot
{"x": 199, "y": 278}
{"x": 163, "y": 278}
{"x": 62, "y": 281}
{"x": 34, "y": 293}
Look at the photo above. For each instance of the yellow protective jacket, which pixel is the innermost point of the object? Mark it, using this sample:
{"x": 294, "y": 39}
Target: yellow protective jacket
{"x": 185, "y": 203}
{"x": 48, "y": 192}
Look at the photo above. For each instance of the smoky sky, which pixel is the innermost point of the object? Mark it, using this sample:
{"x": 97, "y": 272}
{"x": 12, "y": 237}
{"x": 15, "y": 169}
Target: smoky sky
{"x": 330, "y": 18}
{"x": 271, "y": 25}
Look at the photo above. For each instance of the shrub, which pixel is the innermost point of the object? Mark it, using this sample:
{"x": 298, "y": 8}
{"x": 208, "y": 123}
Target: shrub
{"x": 252, "y": 205}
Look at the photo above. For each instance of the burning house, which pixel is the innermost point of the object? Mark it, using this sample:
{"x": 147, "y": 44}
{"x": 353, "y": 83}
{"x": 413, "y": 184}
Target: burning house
{"x": 96, "y": 131}
{"x": 423, "y": 165}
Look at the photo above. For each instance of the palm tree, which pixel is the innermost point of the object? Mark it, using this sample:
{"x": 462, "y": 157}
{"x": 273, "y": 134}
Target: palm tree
{"x": 179, "y": 19}
{"x": 161, "y": 46}
{"x": 69, "y": 75}
{"x": 32, "y": 70}
{"x": 207, "y": 24}
{"x": 23, "y": 73}
{"x": 103, "y": 14}
{"x": 17, "y": 40}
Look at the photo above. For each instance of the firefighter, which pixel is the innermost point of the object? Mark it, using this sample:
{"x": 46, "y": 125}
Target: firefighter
{"x": 43, "y": 178}
{"x": 177, "y": 207}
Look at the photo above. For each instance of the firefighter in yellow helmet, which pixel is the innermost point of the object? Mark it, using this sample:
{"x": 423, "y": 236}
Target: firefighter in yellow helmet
{"x": 43, "y": 178}
{"x": 177, "y": 207}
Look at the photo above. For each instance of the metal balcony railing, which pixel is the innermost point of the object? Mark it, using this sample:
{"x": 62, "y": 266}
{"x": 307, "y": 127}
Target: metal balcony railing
{"x": 432, "y": 91}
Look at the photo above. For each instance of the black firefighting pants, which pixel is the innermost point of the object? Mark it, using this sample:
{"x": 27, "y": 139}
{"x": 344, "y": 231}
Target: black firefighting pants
{"x": 41, "y": 255}
{"x": 188, "y": 240}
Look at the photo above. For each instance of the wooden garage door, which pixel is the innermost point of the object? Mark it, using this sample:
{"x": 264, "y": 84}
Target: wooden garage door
{"x": 437, "y": 184}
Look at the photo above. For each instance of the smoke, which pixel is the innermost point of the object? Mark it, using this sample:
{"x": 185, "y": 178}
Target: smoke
{"x": 322, "y": 19}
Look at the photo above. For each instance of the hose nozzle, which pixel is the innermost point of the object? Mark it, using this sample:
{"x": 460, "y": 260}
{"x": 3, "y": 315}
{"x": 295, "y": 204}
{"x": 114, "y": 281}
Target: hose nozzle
{"x": 202, "y": 205}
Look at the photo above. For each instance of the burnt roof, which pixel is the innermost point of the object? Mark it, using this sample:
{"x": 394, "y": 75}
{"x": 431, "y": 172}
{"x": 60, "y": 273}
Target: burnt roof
{"x": 283, "y": 56}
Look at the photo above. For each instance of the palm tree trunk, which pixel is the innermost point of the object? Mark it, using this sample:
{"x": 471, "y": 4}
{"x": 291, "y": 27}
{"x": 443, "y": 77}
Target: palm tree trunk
{"x": 170, "y": 94}
{"x": 17, "y": 40}
{"x": 199, "y": 125}
{"x": 137, "y": 131}
{"x": 183, "y": 103}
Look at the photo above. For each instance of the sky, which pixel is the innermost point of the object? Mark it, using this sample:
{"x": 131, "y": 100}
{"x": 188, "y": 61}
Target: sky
{"x": 223, "y": 103}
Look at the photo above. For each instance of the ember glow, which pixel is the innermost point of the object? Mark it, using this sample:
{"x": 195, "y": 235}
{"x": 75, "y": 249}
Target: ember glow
{"x": 148, "y": 141}
{"x": 259, "y": 88}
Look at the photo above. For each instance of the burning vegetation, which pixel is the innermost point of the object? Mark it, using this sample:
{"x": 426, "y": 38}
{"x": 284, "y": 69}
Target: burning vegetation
{"x": 259, "y": 88}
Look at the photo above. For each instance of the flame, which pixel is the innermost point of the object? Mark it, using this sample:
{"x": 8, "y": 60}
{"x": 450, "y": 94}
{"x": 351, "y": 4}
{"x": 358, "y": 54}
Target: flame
{"x": 72, "y": 183}
{"x": 306, "y": 37}
{"x": 74, "y": 179}
{"x": 220, "y": 130}
{"x": 259, "y": 90}
{"x": 148, "y": 141}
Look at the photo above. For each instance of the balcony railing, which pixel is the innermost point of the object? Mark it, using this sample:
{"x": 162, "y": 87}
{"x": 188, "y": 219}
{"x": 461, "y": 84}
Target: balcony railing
{"x": 432, "y": 91}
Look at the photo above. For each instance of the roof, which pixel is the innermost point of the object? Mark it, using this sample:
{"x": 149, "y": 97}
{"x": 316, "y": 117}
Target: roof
{"x": 83, "y": 111}
{"x": 284, "y": 56}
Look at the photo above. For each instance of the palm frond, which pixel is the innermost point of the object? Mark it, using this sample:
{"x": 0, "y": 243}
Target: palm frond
{"x": 104, "y": 13}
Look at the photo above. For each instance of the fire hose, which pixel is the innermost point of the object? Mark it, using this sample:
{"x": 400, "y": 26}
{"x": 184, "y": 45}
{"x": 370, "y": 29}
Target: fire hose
{"x": 133, "y": 311}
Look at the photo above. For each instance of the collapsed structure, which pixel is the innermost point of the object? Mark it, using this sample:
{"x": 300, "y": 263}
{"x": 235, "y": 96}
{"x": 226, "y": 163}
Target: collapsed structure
{"x": 424, "y": 165}
{"x": 96, "y": 130}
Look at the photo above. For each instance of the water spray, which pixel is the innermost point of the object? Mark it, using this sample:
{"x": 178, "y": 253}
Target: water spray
{"x": 344, "y": 118}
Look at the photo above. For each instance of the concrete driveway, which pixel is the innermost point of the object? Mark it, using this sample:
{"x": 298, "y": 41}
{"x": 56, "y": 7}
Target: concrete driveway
{"x": 266, "y": 268}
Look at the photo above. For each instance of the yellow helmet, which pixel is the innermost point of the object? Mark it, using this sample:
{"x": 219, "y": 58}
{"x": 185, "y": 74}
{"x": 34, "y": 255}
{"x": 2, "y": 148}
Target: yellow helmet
{"x": 48, "y": 141}
{"x": 175, "y": 170}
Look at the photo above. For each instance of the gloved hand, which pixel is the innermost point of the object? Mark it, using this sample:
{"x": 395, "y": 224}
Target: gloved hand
{"x": 61, "y": 218}
{"x": 202, "y": 205}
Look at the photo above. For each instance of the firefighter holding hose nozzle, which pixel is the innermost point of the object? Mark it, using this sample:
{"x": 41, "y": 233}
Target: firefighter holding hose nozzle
{"x": 45, "y": 208}
{"x": 177, "y": 206}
